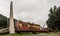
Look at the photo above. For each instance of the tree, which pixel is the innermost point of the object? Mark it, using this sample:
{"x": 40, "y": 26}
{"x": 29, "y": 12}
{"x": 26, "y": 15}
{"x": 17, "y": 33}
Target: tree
{"x": 53, "y": 21}
{"x": 4, "y": 21}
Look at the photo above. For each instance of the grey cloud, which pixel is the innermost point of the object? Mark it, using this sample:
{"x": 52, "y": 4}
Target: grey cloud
{"x": 29, "y": 10}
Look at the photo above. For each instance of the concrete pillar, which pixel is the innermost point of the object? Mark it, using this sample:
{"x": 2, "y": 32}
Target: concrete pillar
{"x": 11, "y": 25}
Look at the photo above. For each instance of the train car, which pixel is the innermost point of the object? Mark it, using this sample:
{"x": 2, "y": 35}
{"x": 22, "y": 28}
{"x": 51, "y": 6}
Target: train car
{"x": 44, "y": 30}
{"x": 29, "y": 27}
{"x": 23, "y": 26}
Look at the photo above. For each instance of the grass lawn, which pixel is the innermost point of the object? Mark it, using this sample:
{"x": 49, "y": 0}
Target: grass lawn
{"x": 15, "y": 35}
{"x": 41, "y": 34}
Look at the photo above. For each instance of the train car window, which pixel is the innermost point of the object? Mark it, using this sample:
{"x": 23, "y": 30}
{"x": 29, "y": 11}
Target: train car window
{"x": 24, "y": 25}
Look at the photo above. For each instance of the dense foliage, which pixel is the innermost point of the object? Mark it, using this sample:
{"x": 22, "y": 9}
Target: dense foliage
{"x": 4, "y": 21}
{"x": 53, "y": 21}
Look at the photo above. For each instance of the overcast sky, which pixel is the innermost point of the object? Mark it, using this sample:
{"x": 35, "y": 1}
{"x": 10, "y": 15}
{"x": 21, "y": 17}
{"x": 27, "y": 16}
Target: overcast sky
{"x": 29, "y": 10}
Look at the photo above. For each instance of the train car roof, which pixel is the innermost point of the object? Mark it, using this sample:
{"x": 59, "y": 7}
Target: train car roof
{"x": 20, "y": 21}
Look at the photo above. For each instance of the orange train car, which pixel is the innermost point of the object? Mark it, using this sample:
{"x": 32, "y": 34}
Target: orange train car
{"x": 23, "y": 26}
{"x": 27, "y": 26}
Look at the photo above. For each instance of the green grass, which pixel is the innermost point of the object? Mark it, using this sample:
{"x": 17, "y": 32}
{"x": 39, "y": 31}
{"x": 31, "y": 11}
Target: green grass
{"x": 40, "y": 34}
{"x": 15, "y": 35}
{"x": 19, "y": 34}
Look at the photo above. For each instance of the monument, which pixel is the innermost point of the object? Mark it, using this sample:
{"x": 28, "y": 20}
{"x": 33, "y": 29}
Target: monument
{"x": 11, "y": 25}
